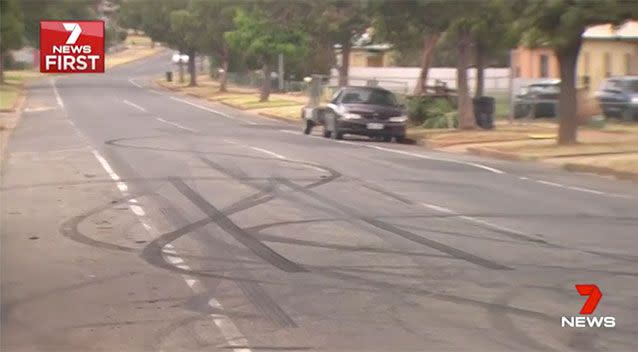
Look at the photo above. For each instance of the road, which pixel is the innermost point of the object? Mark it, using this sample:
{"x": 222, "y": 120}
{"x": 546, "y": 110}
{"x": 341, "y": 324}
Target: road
{"x": 135, "y": 219}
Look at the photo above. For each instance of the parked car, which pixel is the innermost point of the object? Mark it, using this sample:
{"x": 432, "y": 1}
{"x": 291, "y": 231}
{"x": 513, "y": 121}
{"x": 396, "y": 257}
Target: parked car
{"x": 367, "y": 111}
{"x": 619, "y": 97}
{"x": 177, "y": 57}
{"x": 537, "y": 100}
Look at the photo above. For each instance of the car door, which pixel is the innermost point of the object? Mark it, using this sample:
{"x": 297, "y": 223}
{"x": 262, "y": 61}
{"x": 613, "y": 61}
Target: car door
{"x": 611, "y": 97}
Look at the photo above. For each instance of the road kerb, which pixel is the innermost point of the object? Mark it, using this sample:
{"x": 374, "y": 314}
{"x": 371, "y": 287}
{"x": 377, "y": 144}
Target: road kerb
{"x": 601, "y": 170}
{"x": 493, "y": 153}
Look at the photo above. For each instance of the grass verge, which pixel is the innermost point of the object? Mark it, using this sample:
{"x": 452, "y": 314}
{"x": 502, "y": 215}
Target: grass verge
{"x": 11, "y": 90}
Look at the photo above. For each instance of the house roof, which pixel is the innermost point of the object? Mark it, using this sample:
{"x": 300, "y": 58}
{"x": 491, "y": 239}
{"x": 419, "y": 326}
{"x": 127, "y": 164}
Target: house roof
{"x": 627, "y": 30}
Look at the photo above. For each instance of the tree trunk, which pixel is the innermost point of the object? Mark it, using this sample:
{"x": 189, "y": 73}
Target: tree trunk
{"x": 567, "y": 111}
{"x": 265, "y": 84}
{"x": 152, "y": 44}
{"x": 429, "y": 43}
{"x": 466, "y": 118}
{"x": 480, "y": 71}
{"x": 2, "y": 68}
{"x": 192, "y": 69}
{"x": 224, "y": 77}
{"x": 345, "y": 64}
{"x": 180, "y": 65}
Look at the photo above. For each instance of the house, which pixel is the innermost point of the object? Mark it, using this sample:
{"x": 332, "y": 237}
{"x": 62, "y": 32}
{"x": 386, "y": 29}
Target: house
{"x": 371, "y": 55}
{"x": 606, "y": 51}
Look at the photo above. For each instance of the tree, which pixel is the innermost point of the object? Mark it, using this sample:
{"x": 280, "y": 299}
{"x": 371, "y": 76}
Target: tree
{"x": 483, "y": 29}
{"x": 214, "y": 18}
{"x": 559, "y": 24}
{"x": 493, "y": 33}
{"x": 461, "y": 31}
{"x": 36, "y": 10}
{"x": 154, "y": 18}
{"x": 338, "y": 21}
{"x": 11, "y": 30}
{"x": 415, "y": 24}
{"x": 263, "y": 35}
{"x": 186, "y": 34}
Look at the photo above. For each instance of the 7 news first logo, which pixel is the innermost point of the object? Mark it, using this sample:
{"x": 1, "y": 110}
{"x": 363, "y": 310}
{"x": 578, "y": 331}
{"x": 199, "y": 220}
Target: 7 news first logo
{"x": 586, "y": 320}
{"x": 71, "y": 46}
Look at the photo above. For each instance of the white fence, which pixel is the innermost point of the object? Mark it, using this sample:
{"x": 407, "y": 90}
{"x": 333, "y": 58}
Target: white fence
{"x": 495, "y": 78}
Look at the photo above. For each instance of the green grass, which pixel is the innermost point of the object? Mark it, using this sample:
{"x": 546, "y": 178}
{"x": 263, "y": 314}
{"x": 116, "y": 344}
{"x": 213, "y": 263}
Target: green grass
{"x": 8, "y": 95}
{"x": 502, "y": 104}
{"x": 10, "y": 90}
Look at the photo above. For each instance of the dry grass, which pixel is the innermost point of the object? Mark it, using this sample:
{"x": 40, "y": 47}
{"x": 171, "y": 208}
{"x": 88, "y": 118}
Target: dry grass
{"x": 549, "y": 149}
{"x": 138, "y": 40}
{"x": 291, "y": 112}
{"x": 626, "y": 163}
{"x": 129, "y": 55}
{"x": 10, "y": 91}
{"x": 241, "y": 98}
{"x": 8, "y": 95}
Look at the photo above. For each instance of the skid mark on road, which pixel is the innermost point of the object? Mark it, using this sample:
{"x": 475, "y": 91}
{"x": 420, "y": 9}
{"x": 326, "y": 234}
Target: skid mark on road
{"x": 225, "y": 325}
{"x": 468, "y": 163}
{"x": 238, "y": 233}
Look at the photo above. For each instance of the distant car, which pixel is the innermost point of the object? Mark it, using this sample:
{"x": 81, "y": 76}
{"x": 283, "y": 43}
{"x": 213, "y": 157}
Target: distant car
{"x": 177, "y": 56}
{"x": 619, "y": 97}
{"x": 537, "y": 99}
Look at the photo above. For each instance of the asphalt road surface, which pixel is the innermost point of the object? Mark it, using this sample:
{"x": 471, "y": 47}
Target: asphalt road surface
{"x": 135, "y": 219}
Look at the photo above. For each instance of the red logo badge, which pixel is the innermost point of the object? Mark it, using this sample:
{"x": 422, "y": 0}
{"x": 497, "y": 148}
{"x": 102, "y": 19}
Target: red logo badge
{"x": 71, "y": 46}
{"x": 594, "y": 294}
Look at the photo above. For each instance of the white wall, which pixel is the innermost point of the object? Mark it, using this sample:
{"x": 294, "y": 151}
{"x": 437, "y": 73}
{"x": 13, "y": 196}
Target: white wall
{"x": 495, "y": 78}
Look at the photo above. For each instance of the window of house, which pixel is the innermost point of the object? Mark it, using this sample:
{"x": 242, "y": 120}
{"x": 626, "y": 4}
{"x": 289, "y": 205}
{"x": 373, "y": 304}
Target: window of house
{"x": 586, "y": 63}
{"x": 607, "y": 63}
{"x": 544, "y": 66}
{"x": 628, "y": 64}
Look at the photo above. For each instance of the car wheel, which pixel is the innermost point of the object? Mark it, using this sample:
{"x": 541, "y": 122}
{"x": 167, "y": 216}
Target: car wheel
{"x": 387, "y": 139}
{"x": 337, "y": 135}
{"x": 308, "y": 127}
{"x": 326, "y": 132}
{"x": 400, "y": 139}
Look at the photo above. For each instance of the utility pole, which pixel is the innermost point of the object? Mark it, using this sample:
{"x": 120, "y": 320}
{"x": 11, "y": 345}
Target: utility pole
{"x": 281, "y": 72}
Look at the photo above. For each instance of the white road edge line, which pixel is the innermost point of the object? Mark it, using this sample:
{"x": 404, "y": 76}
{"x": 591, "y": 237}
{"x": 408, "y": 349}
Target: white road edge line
{"x": 175, "y": 124}
{"x": 134, "y": 105}
{"x": 416, "y": 155}
{"x": 265, "y": 151}
{"x": 212, "y": 110}
{"x": 226, "y": 326}
{"x": 485, "y": 167}
{"x": 444, "y": 210}
{"x": 58, "y": 98}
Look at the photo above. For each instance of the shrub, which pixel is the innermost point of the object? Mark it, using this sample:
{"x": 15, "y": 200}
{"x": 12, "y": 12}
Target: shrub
{"x": 422, "y": 109}
{"x": 447, "y": 120}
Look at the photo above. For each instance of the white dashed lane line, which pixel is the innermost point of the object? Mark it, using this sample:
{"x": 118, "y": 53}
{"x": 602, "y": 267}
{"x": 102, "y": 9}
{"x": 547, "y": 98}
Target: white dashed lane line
{"x": 175, "y": 124}
{"x": 224, "y": 324}
{"x": 217, "y": 112}
{"x": 134, "y": 105}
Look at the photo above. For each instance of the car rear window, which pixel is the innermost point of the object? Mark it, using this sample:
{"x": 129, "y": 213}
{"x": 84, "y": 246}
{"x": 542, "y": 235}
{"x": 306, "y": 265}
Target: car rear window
{"x": 369, "y": 96}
